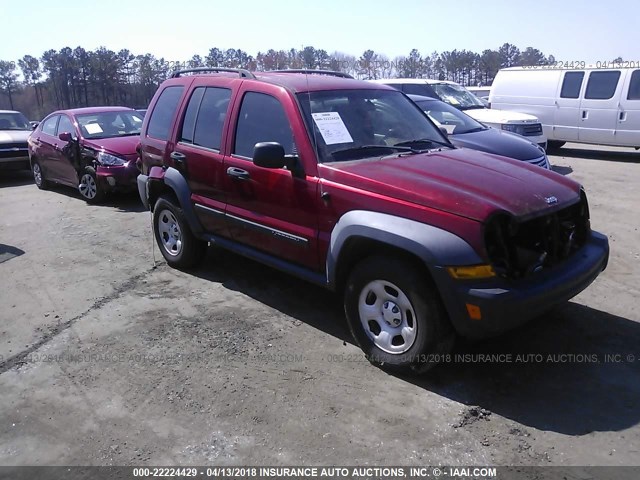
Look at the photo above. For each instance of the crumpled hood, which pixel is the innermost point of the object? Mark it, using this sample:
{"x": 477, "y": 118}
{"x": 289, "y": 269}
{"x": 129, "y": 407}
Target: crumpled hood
{"x": 14, "y": 136}
{"x": 464, "y": 182}
{"x": 121, "y": 146}
{"x": 491, "y": 115}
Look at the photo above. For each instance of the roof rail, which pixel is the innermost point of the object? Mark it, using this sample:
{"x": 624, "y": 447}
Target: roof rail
{"x": 240, "y": 71}
{"x": 311, "y": 71}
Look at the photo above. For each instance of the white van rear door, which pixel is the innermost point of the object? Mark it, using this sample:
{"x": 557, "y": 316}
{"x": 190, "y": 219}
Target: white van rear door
{"x": 599, "y": 107}
{"x": 567, "y": 114}
{"x": 628, "y": 121}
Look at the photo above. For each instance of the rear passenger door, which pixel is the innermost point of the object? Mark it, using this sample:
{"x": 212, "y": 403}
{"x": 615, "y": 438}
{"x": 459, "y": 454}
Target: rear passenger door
{"x": 628, "y": 123}
{"x": 197, "y": 153}
{"x": 272, "y": 210}
{"x": 47, "y": 144}
{"x": 599, "y": 107}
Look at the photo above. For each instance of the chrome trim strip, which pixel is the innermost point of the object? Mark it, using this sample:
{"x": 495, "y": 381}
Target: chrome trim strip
{"x": 209, "y": 209}
{"x": 272, "y": 231}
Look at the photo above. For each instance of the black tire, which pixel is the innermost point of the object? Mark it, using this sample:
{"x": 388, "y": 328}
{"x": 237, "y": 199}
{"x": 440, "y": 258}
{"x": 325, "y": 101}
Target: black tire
{"x": 433, "y": 335}
{"x": 89, "y": 187}
{"x": 38, "y": 176}
{"x": 179, "y": 246}
{"x": 554, "y": 144}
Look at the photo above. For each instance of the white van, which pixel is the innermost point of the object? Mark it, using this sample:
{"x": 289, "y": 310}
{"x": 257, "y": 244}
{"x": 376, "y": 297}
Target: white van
{"x": 457, "y": 96}
{"x": 590, "y": 105}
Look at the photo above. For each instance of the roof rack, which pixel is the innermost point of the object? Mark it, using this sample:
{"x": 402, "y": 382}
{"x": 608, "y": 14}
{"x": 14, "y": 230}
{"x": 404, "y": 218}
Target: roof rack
{"x": 312, "y": 72}
{"x": 240, "y": 71}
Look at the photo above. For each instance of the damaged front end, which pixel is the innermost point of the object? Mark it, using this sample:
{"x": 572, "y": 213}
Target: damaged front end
{"x": 518, "y": 248}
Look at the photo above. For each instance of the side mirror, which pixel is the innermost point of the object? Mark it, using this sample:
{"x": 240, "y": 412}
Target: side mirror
{"x": 65, "y": 137}
{"x": 444, "y": 131}
{"x": 269, "y": 155}
{"x": 34, "y": 125}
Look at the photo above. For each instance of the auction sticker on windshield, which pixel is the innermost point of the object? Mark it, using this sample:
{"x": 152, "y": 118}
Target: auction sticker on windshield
{"x": 332, "y": 128}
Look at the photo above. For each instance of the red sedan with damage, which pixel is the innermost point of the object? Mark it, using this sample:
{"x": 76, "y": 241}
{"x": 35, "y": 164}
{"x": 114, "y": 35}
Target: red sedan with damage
{"x": 92, "y": 149}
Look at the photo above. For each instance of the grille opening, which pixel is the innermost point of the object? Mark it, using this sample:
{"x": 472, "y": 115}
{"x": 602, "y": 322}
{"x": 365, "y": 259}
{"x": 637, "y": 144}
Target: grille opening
{"x": 518, "y": 249}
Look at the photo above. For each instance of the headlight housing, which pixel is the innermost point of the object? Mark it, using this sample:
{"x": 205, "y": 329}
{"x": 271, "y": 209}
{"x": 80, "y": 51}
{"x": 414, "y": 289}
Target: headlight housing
{"x": 512, "y": 127}
{"x": 110, "y": 160}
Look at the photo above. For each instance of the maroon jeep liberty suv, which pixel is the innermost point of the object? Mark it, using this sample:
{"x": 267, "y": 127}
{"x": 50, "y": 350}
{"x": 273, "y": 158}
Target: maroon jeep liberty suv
{"x": 349, "y": 185}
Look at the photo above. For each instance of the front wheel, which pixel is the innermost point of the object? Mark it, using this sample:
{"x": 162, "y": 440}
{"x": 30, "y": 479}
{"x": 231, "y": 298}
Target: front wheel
{"x": 179, "y": 246}
{"x": 396, "y": 316}
{"x": 89, "y": 188}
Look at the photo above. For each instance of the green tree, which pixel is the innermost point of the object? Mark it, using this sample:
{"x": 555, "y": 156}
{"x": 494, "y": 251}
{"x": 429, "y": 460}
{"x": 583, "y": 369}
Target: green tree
{"x": 8, "y": 80}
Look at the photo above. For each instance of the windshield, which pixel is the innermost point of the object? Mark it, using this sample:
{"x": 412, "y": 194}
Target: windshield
{"x": 451, "y": 118}
{"x": 354, "y": 124}
{"x": 110, "y": 124}
{"x": 14, "y": 121}
{"x": 457, "y": 96}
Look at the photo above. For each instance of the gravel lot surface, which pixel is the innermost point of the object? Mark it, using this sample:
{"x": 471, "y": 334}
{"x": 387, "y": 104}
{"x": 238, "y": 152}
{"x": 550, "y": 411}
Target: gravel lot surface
{"x": 109, "y": 357}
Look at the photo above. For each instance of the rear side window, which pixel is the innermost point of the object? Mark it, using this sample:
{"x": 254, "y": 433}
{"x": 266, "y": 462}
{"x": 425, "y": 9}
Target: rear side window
{"x": 602, "y": 85}
{"x": 424, "y": 89}
{"x": 49, "y": 125}
{"x": 162, "y": 115}
{"x": 262, "y": 119}
{"x": 634, "y": 86}
{"x": 571, "y": 85}
{"x": 65, "y": 125}
{"x": 189, "y": 124}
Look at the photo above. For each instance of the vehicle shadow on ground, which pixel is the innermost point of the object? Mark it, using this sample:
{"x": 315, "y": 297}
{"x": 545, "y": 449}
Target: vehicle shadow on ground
{"x": 562, "y": 170}
{"x": 595, "y": 390}
{"x": 7, "y": 252}
{"x": 121, "y": 201}
{"x": 630, "y": 156}
{"x": 15, "y": 178}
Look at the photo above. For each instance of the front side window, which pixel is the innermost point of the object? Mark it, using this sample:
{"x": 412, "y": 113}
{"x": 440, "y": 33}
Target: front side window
{"x": 49, "y": 125}
{"x": 571, "y": 85}
{"x": 262, "y": 119}
{"x": 163, "y": 112}
{"x": 357, "y": 124}
{"x": 65, "y": 125}
{"x": 602, "y": 85}
{"x": 634, "y": 86}
{"x": 110, "y": 124}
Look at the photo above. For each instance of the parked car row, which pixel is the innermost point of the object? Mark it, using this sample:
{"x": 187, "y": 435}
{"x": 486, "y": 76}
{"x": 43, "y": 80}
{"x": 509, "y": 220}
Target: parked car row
{"x": 348, "y": 184}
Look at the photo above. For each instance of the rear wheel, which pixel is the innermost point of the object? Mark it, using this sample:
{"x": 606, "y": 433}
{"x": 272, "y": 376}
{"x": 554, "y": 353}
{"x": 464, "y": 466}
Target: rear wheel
{"x": 179, "y": 246}
{"x": 89, "y": 188}
{"x": 38, "y": 176}
{"x": 396, "y": 316}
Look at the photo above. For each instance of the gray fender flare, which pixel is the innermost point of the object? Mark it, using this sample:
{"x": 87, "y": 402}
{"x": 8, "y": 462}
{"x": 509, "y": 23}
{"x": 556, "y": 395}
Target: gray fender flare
{"x": 174, "y": 180}
{"x": 433, "y": 245}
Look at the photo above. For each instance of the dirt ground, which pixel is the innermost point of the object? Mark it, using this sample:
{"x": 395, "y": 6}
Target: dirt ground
{"x": 109, "y": 357}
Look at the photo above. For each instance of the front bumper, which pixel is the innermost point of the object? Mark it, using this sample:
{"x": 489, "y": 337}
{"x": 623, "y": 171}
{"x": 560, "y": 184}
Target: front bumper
{"x": 505, "y": 304}
{"x": 118, "y": 177}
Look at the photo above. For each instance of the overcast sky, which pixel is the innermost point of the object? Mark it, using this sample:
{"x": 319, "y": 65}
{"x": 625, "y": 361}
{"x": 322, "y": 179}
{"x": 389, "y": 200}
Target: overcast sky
{"x": 570, "y": 30}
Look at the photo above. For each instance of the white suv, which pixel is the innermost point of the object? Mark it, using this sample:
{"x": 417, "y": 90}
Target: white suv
{"x": 459, "y": 97}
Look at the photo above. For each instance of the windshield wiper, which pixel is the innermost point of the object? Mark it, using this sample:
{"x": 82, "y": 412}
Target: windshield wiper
{"x": 423, "y": 140}
{"x": 472, "y": 107}
{"x": 397, "y": 148}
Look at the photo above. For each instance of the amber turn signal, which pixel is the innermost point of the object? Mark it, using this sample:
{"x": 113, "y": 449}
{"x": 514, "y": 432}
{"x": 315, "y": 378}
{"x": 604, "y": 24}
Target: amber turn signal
{"x": 471, "y": 271}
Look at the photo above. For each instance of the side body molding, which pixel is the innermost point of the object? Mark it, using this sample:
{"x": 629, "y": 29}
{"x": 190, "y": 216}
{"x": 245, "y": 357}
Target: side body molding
{"x": 436, "y": 247}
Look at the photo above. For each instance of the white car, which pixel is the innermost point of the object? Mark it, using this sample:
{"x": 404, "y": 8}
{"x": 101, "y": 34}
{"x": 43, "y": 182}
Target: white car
{"x": 459, "y": 97}
{"x": 14, "y": 131}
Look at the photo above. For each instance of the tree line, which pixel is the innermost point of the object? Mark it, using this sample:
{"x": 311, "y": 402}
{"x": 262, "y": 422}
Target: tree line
{"x": 71, "y": 78}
